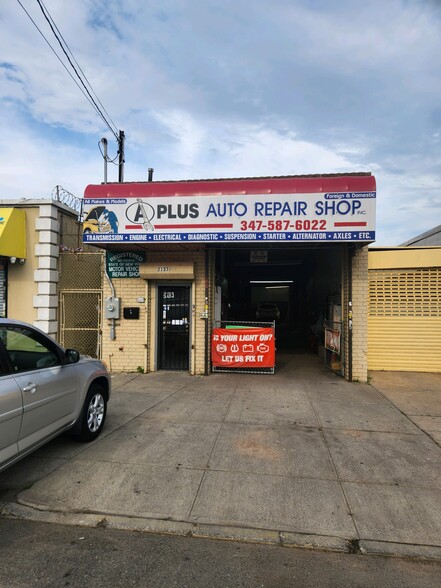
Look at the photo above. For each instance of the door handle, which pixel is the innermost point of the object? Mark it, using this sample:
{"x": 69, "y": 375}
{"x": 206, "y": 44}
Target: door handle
{"x": 31, "y": 388}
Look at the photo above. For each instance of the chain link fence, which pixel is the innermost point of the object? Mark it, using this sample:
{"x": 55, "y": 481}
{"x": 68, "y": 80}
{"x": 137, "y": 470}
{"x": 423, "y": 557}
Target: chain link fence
{"x": 81, "y": 301}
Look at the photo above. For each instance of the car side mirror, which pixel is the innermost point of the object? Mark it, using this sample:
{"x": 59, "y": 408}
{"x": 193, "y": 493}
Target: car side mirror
{"x": 71, "y": 356}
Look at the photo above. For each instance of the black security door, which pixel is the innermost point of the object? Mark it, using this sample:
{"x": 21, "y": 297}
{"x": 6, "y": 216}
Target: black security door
{"x": 174, "y": 327}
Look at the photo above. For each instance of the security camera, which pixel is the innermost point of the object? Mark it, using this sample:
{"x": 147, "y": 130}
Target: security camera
{"x": 22, "y": 261}
{"x": 12, "y": 259}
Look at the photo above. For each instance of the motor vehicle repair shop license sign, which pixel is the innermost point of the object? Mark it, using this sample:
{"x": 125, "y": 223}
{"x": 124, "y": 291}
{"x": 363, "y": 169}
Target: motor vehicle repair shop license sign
{"x": 123, "y": 264}
{"x": 243, "y": 348}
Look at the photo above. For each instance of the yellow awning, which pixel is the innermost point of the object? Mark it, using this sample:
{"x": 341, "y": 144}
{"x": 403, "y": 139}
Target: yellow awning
{"x": 12, "y": 233}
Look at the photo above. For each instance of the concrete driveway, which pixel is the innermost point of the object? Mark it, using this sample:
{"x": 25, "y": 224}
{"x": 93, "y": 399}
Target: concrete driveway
{"x": 300, "y": 458}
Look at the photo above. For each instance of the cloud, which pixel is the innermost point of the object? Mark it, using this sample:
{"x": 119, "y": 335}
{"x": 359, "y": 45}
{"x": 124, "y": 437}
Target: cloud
{"x": 240, "y": 149}
{"x": 32, "y": 165}
{"x": 209, "y": 89}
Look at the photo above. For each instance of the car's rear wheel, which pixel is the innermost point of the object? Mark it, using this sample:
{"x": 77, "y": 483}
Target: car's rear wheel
{"x": 93, "y": 415}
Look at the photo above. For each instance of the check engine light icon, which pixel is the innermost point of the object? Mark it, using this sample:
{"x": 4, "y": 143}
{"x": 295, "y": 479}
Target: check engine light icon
{"x": 262, "y": 348}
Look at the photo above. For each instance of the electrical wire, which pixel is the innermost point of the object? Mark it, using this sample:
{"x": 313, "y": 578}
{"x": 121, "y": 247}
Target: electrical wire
{"x": 114, "y": 131}
{"x": 85, "y": 93}
{"x": 107, "y": 158}
{"x": 56, "y": 54}
{"x": 76, "y": 62}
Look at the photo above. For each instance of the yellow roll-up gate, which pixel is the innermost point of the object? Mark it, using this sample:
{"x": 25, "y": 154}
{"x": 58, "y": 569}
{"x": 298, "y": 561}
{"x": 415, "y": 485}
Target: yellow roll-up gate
{"x": 404, "y": 323}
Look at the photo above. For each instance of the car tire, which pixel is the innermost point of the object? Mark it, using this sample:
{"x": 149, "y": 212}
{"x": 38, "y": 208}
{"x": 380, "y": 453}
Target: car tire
{"x": 93, "y": 415}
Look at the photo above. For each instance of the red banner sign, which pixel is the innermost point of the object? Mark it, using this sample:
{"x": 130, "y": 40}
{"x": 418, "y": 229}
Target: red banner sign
{"x": 243, "y": 348}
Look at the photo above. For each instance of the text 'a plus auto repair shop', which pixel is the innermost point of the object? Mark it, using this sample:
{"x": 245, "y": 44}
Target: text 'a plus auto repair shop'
{"x": 207, "y": 275}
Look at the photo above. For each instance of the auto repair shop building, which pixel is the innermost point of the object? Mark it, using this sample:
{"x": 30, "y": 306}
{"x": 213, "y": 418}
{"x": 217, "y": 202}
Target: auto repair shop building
{"x": 184, "y": 257}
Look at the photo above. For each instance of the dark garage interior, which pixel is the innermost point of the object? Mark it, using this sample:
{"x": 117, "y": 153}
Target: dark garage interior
{"x": 303, "y": 282}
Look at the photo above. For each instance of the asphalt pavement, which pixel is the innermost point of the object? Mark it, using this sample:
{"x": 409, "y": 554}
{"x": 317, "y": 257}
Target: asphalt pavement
{"x": 301, "y": 458}
{"x": 42, "y": 555}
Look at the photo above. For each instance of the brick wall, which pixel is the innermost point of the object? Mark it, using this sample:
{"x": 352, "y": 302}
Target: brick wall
{"x": 360, "y": 286}
{"x": 359, "y": 313}
{"x": 135, "y": 345}
{"x": 127, "y": 351}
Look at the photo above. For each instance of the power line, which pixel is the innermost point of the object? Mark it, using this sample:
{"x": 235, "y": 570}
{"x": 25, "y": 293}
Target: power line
{"x": 85, "y": 93}
{"x": 114, "y": 131}
{"x": 55, "y": 53}
{"x": 76, "y": 62}
{"x": 106, "y": 157}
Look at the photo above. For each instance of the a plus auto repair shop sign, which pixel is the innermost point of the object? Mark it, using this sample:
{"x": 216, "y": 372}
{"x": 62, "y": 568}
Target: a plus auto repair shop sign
{"x": 243, "y": 348}
{"x": 338, "y": 208}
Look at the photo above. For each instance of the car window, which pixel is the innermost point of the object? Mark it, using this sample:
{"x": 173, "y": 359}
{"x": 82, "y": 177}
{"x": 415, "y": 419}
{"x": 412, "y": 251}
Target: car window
{"x": 3, "y": 367}
{"x": 27, "y": 350}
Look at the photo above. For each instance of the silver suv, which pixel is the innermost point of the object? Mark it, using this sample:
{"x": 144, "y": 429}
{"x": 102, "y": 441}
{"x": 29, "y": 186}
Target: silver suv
{"x": 45, "y": 390}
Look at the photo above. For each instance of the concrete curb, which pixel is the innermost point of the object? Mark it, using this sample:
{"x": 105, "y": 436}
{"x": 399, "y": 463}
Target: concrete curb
{"x": 222, "y": 533}
{"x": 19, "y": 511}
{"x": 429, "y": 552}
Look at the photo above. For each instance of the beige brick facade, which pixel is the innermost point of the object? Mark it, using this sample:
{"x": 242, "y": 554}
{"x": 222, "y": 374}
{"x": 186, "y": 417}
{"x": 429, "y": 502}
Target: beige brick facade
{"x": 127, "y": 352}
{"x": 135, "y": 345}
{"x": 359, "y": 312}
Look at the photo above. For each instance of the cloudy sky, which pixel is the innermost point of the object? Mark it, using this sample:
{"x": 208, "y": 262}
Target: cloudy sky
{"x": 229, "y": 88}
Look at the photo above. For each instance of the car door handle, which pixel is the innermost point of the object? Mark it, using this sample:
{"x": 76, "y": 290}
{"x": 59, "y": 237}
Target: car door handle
{"x": 31, "y": 387}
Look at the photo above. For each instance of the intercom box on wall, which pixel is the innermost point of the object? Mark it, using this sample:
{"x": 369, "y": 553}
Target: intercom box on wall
{"x": 112, "y": 307}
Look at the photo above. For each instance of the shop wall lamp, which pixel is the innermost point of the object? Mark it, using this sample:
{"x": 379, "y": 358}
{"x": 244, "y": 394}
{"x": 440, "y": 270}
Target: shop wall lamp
{"x": 13, "y": 259}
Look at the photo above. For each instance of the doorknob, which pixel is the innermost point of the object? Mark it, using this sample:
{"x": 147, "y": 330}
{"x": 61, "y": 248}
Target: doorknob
{"x": 31, "y": 387}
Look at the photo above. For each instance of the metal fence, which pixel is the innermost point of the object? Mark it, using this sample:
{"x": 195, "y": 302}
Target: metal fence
{"x": 59, "y": 194}
{"x": 245, "y": 325}
{"x": 80, "y": 325}
{"x": 81, "y": 301}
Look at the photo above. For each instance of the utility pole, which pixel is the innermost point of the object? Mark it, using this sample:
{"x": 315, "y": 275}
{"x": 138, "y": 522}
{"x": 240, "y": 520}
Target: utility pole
{"x": 121, "y": 156}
